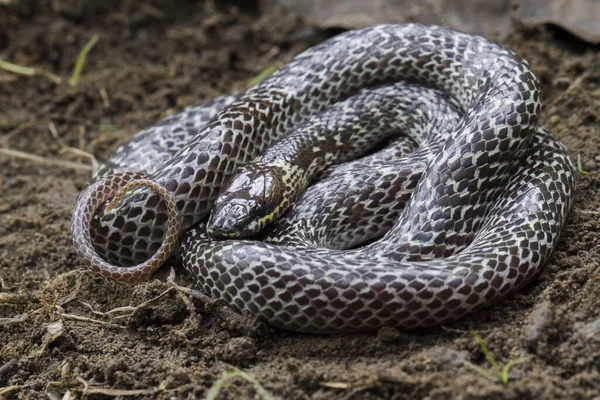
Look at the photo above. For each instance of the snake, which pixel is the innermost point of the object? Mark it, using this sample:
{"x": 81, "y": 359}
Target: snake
{"x": 466, "y": 219}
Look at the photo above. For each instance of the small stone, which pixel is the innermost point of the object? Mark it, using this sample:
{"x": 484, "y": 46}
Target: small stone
{"x": 448, "y": 357}
{"x": 387, "y": 334}
{"x": 579, "y": 276}
{"x": 589, "y": 330}
{"x": 554, "y": 119}
{"x": 539, "y": 320}
{"x": 240, "y": 350}
{"x": 7, "y": 369}
{"x": 114, "y": 366}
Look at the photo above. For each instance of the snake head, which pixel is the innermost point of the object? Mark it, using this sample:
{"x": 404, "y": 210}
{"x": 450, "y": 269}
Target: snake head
{"x": 250, "y": 202}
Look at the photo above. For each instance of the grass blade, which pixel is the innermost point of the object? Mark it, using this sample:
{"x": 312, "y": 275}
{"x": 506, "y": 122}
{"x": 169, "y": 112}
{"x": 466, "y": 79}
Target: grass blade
{"x": 81, "y": 60}
{"x": 580, "y": 166}
{"x": 260, "y": 77}
{"x": 17, "y": 69}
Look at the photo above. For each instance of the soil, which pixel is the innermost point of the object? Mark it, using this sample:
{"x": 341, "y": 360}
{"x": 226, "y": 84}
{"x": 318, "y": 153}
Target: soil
{"x": 64, "y": 332}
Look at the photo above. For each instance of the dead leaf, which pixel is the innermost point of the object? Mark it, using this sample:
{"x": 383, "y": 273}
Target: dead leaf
{"x": 580, "y": 17}
{"x": 486, "y": 17}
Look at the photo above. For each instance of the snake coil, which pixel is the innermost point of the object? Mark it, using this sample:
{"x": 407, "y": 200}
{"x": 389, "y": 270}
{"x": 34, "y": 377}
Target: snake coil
{"x": 470, "y": 216}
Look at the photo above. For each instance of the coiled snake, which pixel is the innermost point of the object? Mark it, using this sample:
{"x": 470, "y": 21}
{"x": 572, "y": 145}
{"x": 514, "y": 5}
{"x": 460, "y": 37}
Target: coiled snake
{"x": 470, "y": 216}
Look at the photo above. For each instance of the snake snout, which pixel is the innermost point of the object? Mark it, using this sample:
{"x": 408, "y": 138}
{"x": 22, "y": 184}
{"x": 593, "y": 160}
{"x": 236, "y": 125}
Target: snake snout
{"x": 230, "y": 220}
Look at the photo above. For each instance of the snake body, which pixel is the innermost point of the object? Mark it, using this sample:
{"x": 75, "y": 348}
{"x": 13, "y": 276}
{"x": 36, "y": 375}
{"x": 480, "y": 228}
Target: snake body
{"x": 477, "y": 215}
{"x": 263, "y": 189}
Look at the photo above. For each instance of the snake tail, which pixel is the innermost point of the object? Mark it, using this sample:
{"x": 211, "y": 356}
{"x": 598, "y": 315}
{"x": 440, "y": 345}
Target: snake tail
{"x": 114, "y": 188}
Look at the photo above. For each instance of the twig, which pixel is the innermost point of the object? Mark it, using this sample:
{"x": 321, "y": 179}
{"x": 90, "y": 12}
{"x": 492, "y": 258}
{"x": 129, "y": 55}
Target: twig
{"x": 455, "y": 330}
{"x": 130, "y": 309}
{"x": 120, "y": 392}
{"x": 54, "y": 330}
{"x": 79, "y": 152}
{"x": 335, "y": 385}
{"x": 104, "y": 95}
{"x": 81, "y": 60}
{"x": 572, "y": 86}
{"x": 106, "y": 136}
{"x": 73, "y": 293}
{"x": 44, "y": 160}
{"x": 359, "y": 389}
{"x": 13, "y": 298}
{"x": 25, "y": 125}
{"x": 15, "y": 320}
{"x": 18, "y": 320}
{"x": 81, "y": 138}
{"x": 8, "y": 389}
{"x": 55, "y": 135}
{"x": 578, "y": 210}
{"x": 87, "y": 389}
{"x": 83, "y": 382}
{"x": 84, "y": 319}
{"x": 190, "y": 292}
{"x": 182, "y": 295}
{"x": 90, "y": 320}
{"x": 151, "y": 11}
{"x": 216, "y": 306}
{"x": 109, "y": 312}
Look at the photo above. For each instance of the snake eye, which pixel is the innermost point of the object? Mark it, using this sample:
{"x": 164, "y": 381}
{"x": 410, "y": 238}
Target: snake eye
{"x": 260, "y": 210}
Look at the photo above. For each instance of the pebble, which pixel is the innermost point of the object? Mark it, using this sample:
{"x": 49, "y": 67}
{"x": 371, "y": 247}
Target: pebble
{"x": 448, "y": 357}
{"x": 240, "y": 349}
{"x": 539, "y": 320}
{"x": 388, "y": 334}
{"x": 589, "y": 330}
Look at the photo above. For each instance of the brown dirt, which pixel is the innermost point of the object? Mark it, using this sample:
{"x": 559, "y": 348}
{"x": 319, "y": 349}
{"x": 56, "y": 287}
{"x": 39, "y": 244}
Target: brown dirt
{"x": 156, "y": 59}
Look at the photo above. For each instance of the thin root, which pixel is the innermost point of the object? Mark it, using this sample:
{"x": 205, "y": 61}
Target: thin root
{"x": 43, "y": 160}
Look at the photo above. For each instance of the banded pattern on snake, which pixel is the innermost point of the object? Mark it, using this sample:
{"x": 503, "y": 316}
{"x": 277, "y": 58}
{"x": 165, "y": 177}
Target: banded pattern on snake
{"x": 473, "y": 214}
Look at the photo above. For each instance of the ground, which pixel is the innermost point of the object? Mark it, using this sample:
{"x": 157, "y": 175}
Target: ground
{"x": 64, "y": 331}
